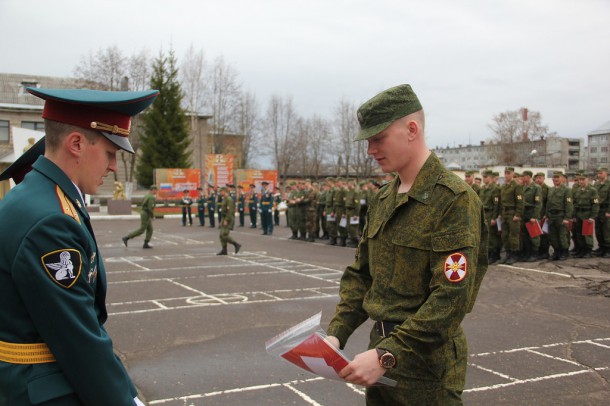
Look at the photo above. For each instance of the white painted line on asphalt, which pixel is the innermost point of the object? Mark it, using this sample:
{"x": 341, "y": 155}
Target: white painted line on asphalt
{"x": 534, "y": 270}
{"x": 556, "y": 358}
{"x": 491, "y": 371}
{"x": 302, "y": 395}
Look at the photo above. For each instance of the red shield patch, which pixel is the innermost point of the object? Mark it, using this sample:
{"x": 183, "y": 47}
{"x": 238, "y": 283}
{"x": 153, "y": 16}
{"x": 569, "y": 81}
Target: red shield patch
{"x": 456, "y": 267}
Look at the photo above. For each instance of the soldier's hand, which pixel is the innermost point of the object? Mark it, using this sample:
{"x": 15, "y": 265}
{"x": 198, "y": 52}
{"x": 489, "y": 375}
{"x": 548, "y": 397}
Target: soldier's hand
{"x": 334, "y": 341}
{"x": 532, "y": 221}
{"x": 364, "y": 369}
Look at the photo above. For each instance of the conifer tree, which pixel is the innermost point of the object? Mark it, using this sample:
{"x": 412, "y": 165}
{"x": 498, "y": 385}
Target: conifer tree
{"x": 165, "y": 139}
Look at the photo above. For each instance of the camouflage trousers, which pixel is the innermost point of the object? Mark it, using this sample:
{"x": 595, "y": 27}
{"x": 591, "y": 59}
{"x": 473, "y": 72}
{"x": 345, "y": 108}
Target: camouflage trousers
{"x": 352, "y": 229}
{"x": 434, "y": 378}
{"x": 495, "y": 240}
{"x": 310, "y": 221}
{"x": 558, "y": 233}
{"x": 145, "y": 225}
{"x": 602, "y": 231}
{"x": 225, "y": 237}
{"x": 581, "y": 241}
{"x": 511, "y": 232}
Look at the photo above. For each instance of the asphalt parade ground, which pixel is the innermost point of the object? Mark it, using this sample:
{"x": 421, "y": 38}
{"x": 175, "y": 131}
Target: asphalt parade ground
{"x": 191, "y": 326}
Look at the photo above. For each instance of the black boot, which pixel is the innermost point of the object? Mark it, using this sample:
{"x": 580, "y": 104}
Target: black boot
{"x": 223, "y": 251}
{"x": 605, "y": 253}
{"x": 512, "y": 258}
{"x": 342, "y": 241}
{"x": 332, "y": 241}
{"x": 352, "y": 243}
{"x": 125, "y": 239}
{"x": 564, "y": 254}
{"x": 237, "y": 247}
{"x": 311, "y": 238}
{"x": 293, "y": 236}
{"x": 146, "y": 245}
{"x": 586, "y": 253}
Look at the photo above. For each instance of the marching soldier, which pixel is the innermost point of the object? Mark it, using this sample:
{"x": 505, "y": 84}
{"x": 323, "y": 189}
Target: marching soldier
{"x": 226, "y": 225}
{"x": 147, "y": 215}
{"x": 602, "y": 225}
{"x": 586, "y": 209}
{"x": 559, "y": 209}
{"x": 511, "y": 205}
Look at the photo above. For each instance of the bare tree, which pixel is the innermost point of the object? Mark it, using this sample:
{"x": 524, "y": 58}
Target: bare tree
{"x": 279, "y": 123}
{"x": 346, "y": 127}
{"x": 223, "y": 100}
{"x": 516, "y": 126}
{"x": 247, "y": 118}
{"x": 318, "y": 143}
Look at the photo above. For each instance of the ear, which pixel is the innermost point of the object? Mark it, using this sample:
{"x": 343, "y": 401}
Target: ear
{"x": 412, "y": 129}
{"x": 74, "y": 143}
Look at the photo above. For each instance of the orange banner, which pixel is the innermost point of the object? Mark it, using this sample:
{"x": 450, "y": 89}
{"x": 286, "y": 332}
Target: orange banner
{"x": 173, "y": 182}
{"x": 247, "y": 177}
{"x": 219, "y": 169}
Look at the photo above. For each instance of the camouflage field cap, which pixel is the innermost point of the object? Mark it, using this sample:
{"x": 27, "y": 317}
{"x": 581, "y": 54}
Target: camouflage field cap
{"x": 540, "y": 174}
{"x": 509, "y": 169}
{"x": 528, "y": 173}
{"x": 378, "y": 113}
{"x": 470, "y": 173}
{"x": 557, "y": 174}
{"x": 488, "y": 172}
{"x": 602, "y": 169}
{"x": 495, "y": 173}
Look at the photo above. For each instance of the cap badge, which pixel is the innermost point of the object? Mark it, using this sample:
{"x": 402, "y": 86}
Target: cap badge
{"x": 456, "y": 267}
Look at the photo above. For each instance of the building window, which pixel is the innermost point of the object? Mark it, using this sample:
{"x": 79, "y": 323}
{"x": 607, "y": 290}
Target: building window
{"x": 604, "y": 149}
{"x": 4, "y": 131}
{"x": 593, "y": 149}
{"x": 33, "y": 125}
{"x": 603, "y": 160}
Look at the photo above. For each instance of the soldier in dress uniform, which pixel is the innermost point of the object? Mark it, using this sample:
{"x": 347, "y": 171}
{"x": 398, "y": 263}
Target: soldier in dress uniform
{"x": 201, "y": 201}
{"x": 490, "y": 197}
{"x": 252, "y": 202}
{"x": 211, "y": 205}
{"x": 241, "y": 204}
{"x": 543, "y": 250}
{"x": 418, "y": 266}
{"x": 226, "y": 225}
{"x": 277, "y": 199}
{"x": 186, "y": 202}
{"x": 54, "y": 349}
{"x": 559, "y": 209}
{"x": 602, "y": 224}
{"x": 586, "y": 209}
{"x": 511, "y": 215}
{"x": 266, "y": 207}
{"x": 147, "y": 215}
{"x": 532, "y": 201}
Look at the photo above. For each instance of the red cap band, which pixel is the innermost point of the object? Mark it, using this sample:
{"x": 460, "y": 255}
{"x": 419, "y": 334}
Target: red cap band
{"x": 83, "y": 115}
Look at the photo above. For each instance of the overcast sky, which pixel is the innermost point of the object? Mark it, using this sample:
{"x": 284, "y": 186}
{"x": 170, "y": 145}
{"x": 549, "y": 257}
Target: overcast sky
{"x": 467, "y": 60}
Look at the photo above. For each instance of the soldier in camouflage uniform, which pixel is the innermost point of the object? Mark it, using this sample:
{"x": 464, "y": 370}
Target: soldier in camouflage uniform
{"x": 302, "y": 203}
{"x": 228, "y": 219}
{"x": 586, "y": 209}
{"x": 339, "y": 211}
{"x": 602, "y": 225}
{"x": 511, "y": 212}
{"x": 418, "y": 267}
{"x": 490, "y": 197}
{"x": 331, "y": 220}
{"x": 321, "y": 220}
{"x": 543, "y": 249}
{"x": 559, "y": 208}
{"x": 292, "y": 211}
{"x": 469, "y": 178}
{"x": 311, "y": 210}
{"x": 532, "y": 201}
{"x": 352, "y": 213}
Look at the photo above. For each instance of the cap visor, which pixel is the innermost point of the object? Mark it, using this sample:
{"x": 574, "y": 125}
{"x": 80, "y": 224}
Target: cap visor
{"x": 119, "y": 141}
{"x": 372, "y": 131}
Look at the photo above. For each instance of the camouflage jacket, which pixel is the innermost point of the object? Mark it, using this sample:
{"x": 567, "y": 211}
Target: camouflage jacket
{"x": 420, "y": 262}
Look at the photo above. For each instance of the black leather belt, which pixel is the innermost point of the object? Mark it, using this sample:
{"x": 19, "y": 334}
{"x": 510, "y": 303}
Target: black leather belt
{"x": 385, "y": 328}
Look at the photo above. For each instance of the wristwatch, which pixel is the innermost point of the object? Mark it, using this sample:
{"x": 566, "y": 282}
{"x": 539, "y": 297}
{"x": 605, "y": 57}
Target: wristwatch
{"x": 386, "y": 358}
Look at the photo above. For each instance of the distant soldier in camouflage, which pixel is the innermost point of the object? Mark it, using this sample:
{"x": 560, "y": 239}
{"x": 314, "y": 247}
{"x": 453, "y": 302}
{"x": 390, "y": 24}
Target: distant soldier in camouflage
{"x": 339, "y": 211}
{"x": 543, "y": 249}
{"x": 331, "y": 220}
{"x": 228, "y": 219}
{"x": 511, "y": 212}
{"x": 490, "y": 197}
{"x": 311, "y": 210}
{"x": 469, "y": 178}
{"x": 586, "y": 209}
{"x": 302, "y": 206}
{"x": 532, "y": 201}
{"x": 352, "y": 213}
{"x": 559, "y": 208}
{"x": 418, "y": 267}
{"x": 602, "y": 225}
{"x": 293, "y": 195}
{"x": 321, "y": 225}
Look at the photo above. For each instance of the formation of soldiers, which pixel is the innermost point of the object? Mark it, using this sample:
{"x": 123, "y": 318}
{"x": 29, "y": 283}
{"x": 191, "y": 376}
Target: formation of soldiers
{"x": 532, "y": 221}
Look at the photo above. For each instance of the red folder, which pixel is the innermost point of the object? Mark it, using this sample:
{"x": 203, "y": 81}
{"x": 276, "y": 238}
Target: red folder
{"x": 588, "y": 227}
{"x": 533, "y": 229}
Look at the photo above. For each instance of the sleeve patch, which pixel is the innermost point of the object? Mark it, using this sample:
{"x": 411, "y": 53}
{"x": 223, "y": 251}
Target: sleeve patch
{"x": 63, "y": 266}
{"x": 456, "y": 267}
